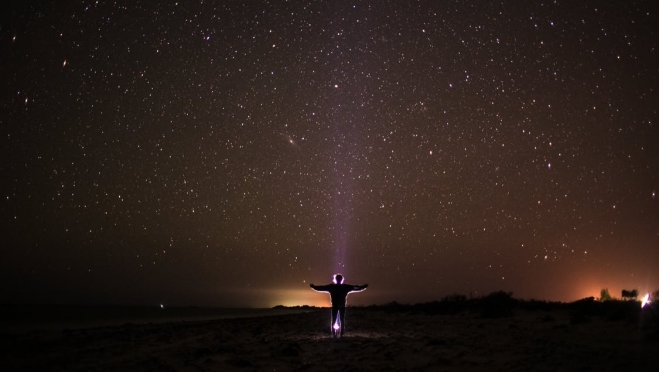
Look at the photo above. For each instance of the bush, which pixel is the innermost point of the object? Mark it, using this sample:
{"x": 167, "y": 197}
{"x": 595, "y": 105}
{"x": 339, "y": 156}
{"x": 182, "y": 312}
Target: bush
{"x": 629, "y": 295}
{"x": 498, "y": 305}
{"x": 654, "y": 298}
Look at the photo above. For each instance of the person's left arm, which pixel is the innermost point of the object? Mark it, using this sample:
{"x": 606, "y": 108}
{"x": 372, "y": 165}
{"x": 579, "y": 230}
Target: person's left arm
{"x": 359, "y": 288}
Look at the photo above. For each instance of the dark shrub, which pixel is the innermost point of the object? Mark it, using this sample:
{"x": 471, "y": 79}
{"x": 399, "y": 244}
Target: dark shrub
{"x": 498, "y": 305}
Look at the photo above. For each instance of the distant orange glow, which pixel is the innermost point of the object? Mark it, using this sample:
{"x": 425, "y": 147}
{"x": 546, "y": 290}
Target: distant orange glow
{"x": 270, "y": 297}
{"x": 295, "y": 297}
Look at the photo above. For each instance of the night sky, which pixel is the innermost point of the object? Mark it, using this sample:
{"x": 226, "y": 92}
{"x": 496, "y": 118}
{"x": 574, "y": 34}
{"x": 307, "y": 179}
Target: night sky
{"x": 230, "y": 153}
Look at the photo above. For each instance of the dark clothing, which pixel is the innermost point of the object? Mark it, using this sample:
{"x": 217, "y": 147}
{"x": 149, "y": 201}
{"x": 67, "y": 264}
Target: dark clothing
{"x": 339, "y": 295}
{"x": 338, "y": 292}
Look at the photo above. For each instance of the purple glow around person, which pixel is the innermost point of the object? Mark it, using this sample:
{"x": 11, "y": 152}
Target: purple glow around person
{"x": 338, "y": 295}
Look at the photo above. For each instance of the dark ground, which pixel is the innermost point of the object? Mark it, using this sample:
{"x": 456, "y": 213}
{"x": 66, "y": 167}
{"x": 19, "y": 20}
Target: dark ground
{"x": 442, "y": 336}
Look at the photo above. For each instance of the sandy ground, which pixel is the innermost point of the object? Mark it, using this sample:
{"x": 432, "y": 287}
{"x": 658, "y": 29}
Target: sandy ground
{"x": 376, "y": 340}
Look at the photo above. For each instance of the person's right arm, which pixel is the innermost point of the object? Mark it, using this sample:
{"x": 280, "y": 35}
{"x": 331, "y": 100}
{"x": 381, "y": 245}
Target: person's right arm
{"x": 319, "y": 288}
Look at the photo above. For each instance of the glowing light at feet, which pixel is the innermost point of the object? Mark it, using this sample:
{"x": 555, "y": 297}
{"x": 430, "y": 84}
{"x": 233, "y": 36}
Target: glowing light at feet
{"x": 645, "y": 300}
{"x": 337, "y": 323}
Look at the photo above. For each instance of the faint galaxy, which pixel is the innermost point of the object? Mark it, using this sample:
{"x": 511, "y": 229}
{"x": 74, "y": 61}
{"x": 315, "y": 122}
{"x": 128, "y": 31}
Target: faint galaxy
{"x": 230, "y": 153}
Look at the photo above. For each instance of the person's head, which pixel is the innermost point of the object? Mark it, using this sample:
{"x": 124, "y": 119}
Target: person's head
{"x": 338, "y": 279}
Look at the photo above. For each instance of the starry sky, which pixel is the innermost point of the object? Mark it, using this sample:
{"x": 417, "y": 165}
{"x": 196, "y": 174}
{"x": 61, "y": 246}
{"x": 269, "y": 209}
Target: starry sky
{"x": 230, "y": 153}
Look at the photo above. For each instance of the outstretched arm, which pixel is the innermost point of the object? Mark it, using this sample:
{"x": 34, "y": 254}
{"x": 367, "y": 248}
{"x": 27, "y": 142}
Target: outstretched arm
{"x": 359, "y": 288}
{"x": 319, "y": 288}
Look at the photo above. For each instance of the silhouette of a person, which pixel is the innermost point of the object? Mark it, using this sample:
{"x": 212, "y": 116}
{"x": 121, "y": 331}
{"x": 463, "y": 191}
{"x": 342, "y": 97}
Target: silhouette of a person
{"x": 338, "y": 294}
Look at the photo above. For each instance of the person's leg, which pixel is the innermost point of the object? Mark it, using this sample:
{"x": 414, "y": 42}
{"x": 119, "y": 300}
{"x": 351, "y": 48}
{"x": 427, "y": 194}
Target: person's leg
{"x": 335, "y": 313}
{"x": 342, "y": 315}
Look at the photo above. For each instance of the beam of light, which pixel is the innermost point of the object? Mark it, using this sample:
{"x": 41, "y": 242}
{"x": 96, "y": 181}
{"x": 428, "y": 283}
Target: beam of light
{"x": 645, "y": 300}
{"x": 341, "y": 227}
{"x": 344, "y": 171}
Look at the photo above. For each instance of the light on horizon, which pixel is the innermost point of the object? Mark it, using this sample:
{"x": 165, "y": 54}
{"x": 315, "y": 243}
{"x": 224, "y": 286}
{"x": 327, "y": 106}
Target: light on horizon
{"x": 645, "y": 300}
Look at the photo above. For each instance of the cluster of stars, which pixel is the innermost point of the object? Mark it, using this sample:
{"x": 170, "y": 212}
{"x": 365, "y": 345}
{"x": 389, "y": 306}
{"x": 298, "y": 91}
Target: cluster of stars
{"x": 276, "y": 142}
